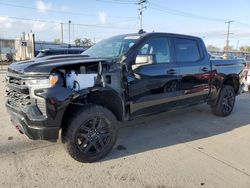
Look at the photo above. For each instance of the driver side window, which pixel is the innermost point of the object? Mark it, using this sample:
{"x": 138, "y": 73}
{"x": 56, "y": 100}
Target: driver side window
{"x": 159, "y": 48}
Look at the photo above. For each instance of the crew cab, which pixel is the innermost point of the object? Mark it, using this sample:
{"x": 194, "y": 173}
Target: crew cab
{"x": 118, "y": 79}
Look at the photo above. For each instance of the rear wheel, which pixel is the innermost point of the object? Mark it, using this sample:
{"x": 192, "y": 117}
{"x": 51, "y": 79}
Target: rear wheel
{"x": 225, "y": 102}
{"x": 90, "y": 134}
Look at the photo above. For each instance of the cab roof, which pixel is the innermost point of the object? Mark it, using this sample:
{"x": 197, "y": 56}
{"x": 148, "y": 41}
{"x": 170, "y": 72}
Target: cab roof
{"x": 144, "y": 34}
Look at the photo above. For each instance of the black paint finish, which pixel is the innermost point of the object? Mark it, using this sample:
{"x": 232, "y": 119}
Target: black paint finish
{"x": 145, "y": 89}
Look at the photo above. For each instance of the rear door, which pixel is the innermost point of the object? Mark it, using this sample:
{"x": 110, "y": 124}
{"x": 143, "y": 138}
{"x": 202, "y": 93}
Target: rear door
{"x": 194, "y": 69}
{"x": 154, "y": 87}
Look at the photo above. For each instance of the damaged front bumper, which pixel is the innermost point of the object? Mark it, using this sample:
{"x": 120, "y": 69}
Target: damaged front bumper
{"x": 34, "y": 129}
{"x": 38, "y": 118}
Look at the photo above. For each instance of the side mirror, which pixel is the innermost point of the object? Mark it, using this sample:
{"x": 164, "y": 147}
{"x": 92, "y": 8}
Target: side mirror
{"x": 143, "y": 60}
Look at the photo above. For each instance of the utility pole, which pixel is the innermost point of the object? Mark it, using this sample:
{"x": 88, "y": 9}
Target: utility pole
{"x": 25, "y": 46}
{"x": 33, "y": 45}
{"x": 141, "y": 7}
{"x": 61, "y": 33}
{"x": 228, "y": 33}
{"x": 237, "y": 45}
{"x": 69, "y": 32}
{"x": 73, "y": 31}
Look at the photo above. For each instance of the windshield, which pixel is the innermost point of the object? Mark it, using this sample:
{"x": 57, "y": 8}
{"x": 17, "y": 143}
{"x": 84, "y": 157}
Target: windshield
{"x": 112, "y": 47}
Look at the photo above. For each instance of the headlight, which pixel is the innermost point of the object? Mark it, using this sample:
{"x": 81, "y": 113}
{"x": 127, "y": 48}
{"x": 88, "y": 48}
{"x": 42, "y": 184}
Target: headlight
{"x": 44, "y": 82}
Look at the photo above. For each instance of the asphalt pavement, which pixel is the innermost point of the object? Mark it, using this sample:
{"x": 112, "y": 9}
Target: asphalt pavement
{"x": 186, "y": 148}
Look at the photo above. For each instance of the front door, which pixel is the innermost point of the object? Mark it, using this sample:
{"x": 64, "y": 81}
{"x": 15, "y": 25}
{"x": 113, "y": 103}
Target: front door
{"x": 154, "y": 86}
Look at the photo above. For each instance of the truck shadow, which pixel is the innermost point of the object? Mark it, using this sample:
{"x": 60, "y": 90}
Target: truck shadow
{"x": 153, "y": 132}
{"x": 182, "y": 126}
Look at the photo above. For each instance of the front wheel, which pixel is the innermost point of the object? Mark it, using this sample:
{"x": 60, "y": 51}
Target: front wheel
{"x": 90, "y": 134}
{"x": 225, "y": 102}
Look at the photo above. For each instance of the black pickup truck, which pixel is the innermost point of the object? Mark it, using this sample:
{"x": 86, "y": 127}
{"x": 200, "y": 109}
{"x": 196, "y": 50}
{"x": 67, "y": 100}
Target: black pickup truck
{"x": 118, "y": 79}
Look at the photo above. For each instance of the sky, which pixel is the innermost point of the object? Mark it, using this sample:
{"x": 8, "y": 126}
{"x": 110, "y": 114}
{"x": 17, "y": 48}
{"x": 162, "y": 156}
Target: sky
{"x": 99, "y": 19}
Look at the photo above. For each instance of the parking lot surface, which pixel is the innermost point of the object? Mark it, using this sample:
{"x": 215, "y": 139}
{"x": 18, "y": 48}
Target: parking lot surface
{"x": 185, "y": 148}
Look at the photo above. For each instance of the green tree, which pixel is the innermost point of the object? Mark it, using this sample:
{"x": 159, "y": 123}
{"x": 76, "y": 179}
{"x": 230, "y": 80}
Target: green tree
{"x": 212, "y": 48}
{"x": 87, "y": 42}
{"x": 230, "y": 48}
{"x": 57, "y": 41}
{"x": 78, "y": 41}
{"x": 245, "y": 48}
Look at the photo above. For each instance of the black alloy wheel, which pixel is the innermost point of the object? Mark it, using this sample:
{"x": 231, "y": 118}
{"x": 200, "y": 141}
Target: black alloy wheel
{"x": 93, "y": 135}
{"x": 228, "y": 101}
{"x": 90, "y": 133}
{"x": 225, "y": 101}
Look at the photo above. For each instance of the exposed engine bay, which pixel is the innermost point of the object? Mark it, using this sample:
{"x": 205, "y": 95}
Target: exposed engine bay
{"x": 80, "y": 77}
{"x": 79, "y": 81}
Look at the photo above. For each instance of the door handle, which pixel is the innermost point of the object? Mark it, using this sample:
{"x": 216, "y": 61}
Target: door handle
{"x": 171, "y": 71}
{"x": 204, "y": 69}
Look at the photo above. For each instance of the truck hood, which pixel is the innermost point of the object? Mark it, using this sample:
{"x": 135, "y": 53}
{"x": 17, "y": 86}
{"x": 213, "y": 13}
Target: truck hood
{"x": 43, "y": 66}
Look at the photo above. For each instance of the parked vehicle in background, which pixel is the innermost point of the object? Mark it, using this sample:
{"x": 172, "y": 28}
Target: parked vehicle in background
{"x": 8, "y": 57}
{"x": 228, "y": 56}
{"x": 248, "y": 81}
{"x": 118, "y": 79}
{"x": 212, "y": 56}
{"x": 247, "y": 58}
{"x": 59, "y": 51}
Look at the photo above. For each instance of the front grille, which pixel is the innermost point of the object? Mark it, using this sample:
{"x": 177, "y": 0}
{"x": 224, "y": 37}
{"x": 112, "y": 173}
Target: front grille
{"x": 41, "y": 106}
{"x": 17, "y": 99}
{"x": 18, "y": 95}
{"x": 16, "y": 81}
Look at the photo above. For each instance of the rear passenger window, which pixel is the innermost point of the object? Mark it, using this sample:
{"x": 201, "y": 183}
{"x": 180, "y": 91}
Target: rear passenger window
{"x": 187, "y": 50}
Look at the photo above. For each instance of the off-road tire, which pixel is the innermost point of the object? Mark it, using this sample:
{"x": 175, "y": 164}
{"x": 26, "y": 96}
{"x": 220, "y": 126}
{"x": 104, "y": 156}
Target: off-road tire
{"x": 225, "y": 102}
{"x": 78, "y": 130}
